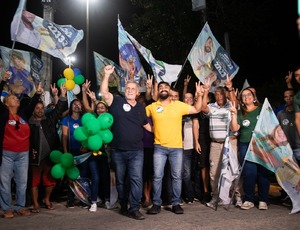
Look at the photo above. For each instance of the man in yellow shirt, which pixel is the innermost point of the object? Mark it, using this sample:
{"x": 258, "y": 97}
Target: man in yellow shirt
{"x": 167, "y": 117}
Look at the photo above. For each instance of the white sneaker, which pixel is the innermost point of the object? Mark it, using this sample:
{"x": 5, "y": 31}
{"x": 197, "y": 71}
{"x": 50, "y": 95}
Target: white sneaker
{"x": 93, "y": 207}
{"x": 212, "y": 203}
{"x": 238, "y": 202}
{"x": 247, "y": 205}
{"x": 262, "y": 205}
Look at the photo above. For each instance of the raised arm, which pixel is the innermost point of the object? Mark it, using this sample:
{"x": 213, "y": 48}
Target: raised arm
{"x": 149, "y": 87}
{"x": 185, "y": 86}
{"x": 54, "y": 92}
{"x": 196, "y": 108}
{"x": 84, "y": 88}
{"x": 288, "y": 80}
{"x": 106, "y": 95}
{"x": 205, "y": 99}
{"x": 231, "y": 92}
{"x": 234, "y": 126}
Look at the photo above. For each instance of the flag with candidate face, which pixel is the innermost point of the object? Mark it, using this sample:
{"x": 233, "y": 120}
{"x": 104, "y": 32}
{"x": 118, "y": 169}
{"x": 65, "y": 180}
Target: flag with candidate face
{"x": 270, "y": 148}
{"x": 57, "y": 40}
{"x": 25, "y": 68}
{"x": 209, "y": 60}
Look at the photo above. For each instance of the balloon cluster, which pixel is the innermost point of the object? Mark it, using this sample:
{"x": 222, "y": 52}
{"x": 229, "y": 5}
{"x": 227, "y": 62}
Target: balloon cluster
{"x": 72, "y": 79}
{"x": 64, "y": 164}
{"x": 94, "y": 131}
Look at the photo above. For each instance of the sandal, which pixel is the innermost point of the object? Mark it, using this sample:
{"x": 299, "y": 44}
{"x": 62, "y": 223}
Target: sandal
{"x": 35, "y": 210}
{"x": 48, "y": 206}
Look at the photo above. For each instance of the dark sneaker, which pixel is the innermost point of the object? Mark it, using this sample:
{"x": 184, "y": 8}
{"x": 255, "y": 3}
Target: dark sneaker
{"x": 177, "y": 209}
{"x": 136, "y": 215}
{"x": 8, "y": 214}
{"x": 155, "y": 209}
{"x": 83, "y": 205}
{"x": 206, "y": 197}
{"x": 123, "y": 211}
{"x": 23, "y": 212}
{"x": 70, "y": 204}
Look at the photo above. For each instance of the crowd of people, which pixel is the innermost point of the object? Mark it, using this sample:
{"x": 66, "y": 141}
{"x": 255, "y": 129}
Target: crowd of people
{"x": 167, "y": 145}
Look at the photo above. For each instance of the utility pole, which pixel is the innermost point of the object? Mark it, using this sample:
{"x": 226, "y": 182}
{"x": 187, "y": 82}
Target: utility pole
{"x": 46, "y": 78}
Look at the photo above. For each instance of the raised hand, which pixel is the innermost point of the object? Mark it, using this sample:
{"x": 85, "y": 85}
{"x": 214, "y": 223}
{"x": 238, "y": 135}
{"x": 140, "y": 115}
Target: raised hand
{"x": 149, "y": 81}
{"x": 199, "y": 89}
{"x": 187, "y": 80}
{"x": 54, "y": 90}
{"x": 288, "y": 78}
{"x": 63, "y": 90}
{"x": 91, "y": 94}
{"x": 228, "y": 82}
{"x": 109, "y": 69}
{"x": 39, "y": 89}
{"x": 206, "y": 85}
{"x": 85, "y": 86}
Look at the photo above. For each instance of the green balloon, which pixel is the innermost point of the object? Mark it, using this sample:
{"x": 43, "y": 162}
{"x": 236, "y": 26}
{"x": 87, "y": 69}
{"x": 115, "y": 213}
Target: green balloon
{"x": 92, "y": 126}
{"x": 61, "y": 81}
{"x": 106, "y": 136}
{"x": 67, "y": 160}
{"x": 86, "y": 117}
{"x": 94, "y": 142}
{"x": 58, "y": 171}
{"x": 106, "y": 120}
{"x": 79, "y": 79}
{"x": 79, "y": 134}
{"x": 85, "y": 144}
{"x": 73, "y": 173}
{"x": 55, "y": 156}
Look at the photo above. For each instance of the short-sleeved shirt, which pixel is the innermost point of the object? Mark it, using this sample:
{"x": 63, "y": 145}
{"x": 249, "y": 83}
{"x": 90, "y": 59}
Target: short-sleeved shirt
{"x": 167, "y": 122}
{"x": 128, "y": 124}
{"x": 219, "y": 118}
{"x": 74, "y": 145}
{"x": 247, "y": 123}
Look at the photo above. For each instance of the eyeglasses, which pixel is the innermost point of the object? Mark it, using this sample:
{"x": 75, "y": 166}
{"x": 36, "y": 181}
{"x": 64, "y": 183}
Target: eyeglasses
{"x": 247, "y": 95}
{"x": 101, "y": 107}
{"x": 76, "y": 105}
{"x": 17, "y": 125}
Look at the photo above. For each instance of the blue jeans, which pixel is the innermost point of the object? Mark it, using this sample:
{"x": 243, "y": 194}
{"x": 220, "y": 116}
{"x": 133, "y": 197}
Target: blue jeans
{"x": 129, "y": 168}
{"x": 187, "y": 188}
{"x": 252, "y": 172}
{"x": 174, "y": 155}
{"x": 14, "y": 164}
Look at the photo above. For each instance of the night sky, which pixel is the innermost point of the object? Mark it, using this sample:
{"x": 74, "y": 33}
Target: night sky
{"x": 257, "y": 65}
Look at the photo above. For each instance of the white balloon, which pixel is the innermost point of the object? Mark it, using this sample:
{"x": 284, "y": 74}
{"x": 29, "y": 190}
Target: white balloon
{"x": 76, "y": 89}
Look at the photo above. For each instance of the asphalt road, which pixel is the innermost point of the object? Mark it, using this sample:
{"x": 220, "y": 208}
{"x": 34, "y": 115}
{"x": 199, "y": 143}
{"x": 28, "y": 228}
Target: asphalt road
{"x": 196, "y": 216}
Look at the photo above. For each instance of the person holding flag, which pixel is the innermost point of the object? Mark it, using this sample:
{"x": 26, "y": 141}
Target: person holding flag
{"x": 245, "y": 121}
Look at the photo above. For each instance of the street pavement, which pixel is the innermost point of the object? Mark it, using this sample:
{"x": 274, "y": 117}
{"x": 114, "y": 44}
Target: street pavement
{"x": 196, "y": 216}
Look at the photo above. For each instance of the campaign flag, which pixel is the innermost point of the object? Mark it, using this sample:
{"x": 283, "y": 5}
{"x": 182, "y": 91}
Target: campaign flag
{"x": 25, "y": 68}
{"x": 116, "y": 79}
{"x": 245, "y": 85}
{"x": 129, "y": 59}
{"x": 229, "y": 171}
{"x": 57, "y": 40}
{"x": 269, "y": 147}
{"x": 161, "y": 70}
{"x": 81, "y": 187}
{"x": 209, "y": 59}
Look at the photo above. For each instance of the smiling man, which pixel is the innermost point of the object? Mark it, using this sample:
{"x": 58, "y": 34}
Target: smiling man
{"x": 167, "y": 125}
